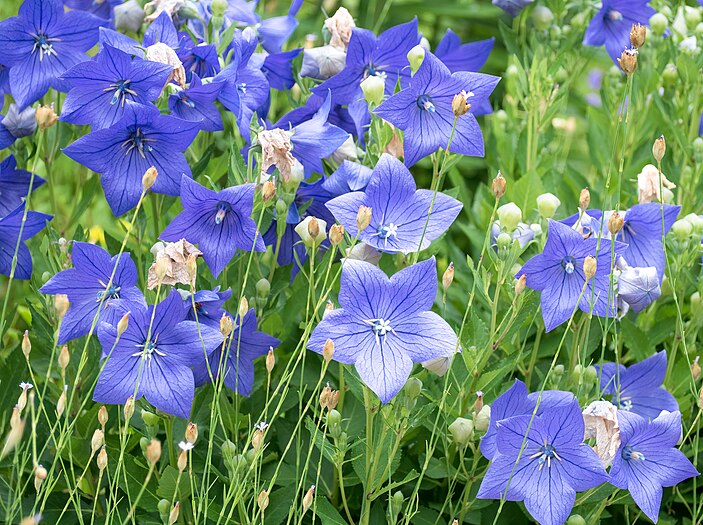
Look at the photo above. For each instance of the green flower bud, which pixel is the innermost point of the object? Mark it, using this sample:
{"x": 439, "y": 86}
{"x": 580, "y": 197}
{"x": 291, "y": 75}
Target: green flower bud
{"x": 697, "y": 146}
{"x": 658, "y": 23}
{"x": 334, "y": 418}
{"x": 413, "y": 387}
{"x": 229, "y": 452}
{"x": 509, "y": 215}
{"x": 501, "y": 116}
{"x": 504, "y": 240}
{"x": 218, "y": 7}
{"x": 670, "y": 75}
{"x": 590, "y": 375}
{"x": 547, "y": 205}
{"x": 696, "y": 222}
{"x": 682, "y": 230}
{"x": 462, "y": 431}
{"x": 558, "y": 371}
{"x": 695, "y": 300}
{"x": 150, "y": 419}
{"x": 512, "y": 71}
{"x": 416, "y": 56}
{"x": 164, "y": 507}
{"x": 374, "y": 88}
{"x": 693, "y": 16}
{"x": 482, "y": 419}
{"x": 576, "y": 374}
{"x": 576, "y": 519}
{"x": 263, "y": 288}
{"x": 542, "y": 17}
{"x": 281, "y": 208}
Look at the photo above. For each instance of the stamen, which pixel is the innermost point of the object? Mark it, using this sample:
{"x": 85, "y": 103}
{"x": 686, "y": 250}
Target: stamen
{"x": 425, "y": 102}
{"x": 568, "y": 264}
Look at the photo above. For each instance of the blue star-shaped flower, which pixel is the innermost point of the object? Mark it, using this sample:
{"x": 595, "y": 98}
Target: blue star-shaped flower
{"x": 10, "y": 227}
{"x": 200, "y": 59}
{"x": 399, "y": 212}
{"x": 278, "y": 68}
{"x": 102, "y": 8}
{"x": 123, "y": 152}
{"x": 612, "y": 23}
{"x": 648, "y": 459}
{"x": 245, "y": 344}
{"x": 639, "y": 287}
{"x": 349, "y": 176}
{"x": 463, "y": 57}
{"x": 86, "y": 285}
{"x": 104, "y": 87}
{"x": 41, "y": 43}
{"x": 558, "y": 273}
{"x": 637, "y": 388}
{"x": 517, "y": 402}
{"x": 423, "y": 110}
{"x": 208, "y": 306}
{"x": 196, "y": 103}
{"x": 14, "y": 185}
{"x": 552, "y": 467}
{"x": 218, "y": 222}
{"x": 154, "y": 358}
{"x": 385, "y": 325}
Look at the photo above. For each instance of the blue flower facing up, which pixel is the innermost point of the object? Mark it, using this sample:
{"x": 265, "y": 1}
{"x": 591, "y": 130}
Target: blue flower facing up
{"x": 14, "y": 185}
{"x": 648, "y": 459}
{"x": 102, "y": 88}
{"x": 218, "y": 222}
{"x": 41, "y": 43}
{"x": 154, "y": 359}
{"x": 385, "y": 325}
{"x": 558, "y": 273}
{"x": 10, "y": 227}
{"x": 196, "y": 103}
{"x": 123, "y": 152}
{"x": 612, "y": 23}
{"x": 552, "y": 467}
{"x": 90, "y": 291}
{"x": 423, "y": 110}
{"x": 399, "y": 212}
{"x": 637, "y": 388}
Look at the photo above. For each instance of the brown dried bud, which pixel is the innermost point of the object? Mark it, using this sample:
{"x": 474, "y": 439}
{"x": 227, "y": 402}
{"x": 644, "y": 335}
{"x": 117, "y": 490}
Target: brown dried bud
{"x": 448, "y": 276}
{"x": 695, "y": 369}
{"x": 102, "y": 415}
{"x": 628, "y": 61}
{"x": 191, "y": 433}
{"x": 173, "y": 516}
{"x": 149, "y": 178}
{"x": 638, "y": 33}
{"x": 615, "y": 223}
{"x": 45, "y": 116}
{"x": 307, "y": 499}
{"x": 182, "y": 460}
{"x": 328, "y": 350}
{"x": 22, "y": 399}
{"x": 102, "y": 459}
{"x": 499, "y": 184}
{"x": 363, "y": 218}
{"x": 61, "y": 305}
{"x": 314, "y": 227}
{"x": 478, "y": 404}
{"x": 520, "y": 284}
{"x": 336, "y": 234}
{"x": 270, "y": 361}
{"x": 64, "y": 358}
{"x": 61, "y": 403}
{"x": 13, "y": 438}
{"x": 226, "y": 325}
{"x": 26, "y": 344}
{"x": 659, "y": 148}
{"x": 263, "y": 500}
{"x": 324, "y": 396}
{"x": 332, "y": 400}
{"x": 97, "y": 441}
{"x": 161, "y": 267}
{"x": 15, "y": 418}
{"x": 460, "y": 104}
{"x": 123, "y": 324}
{"x": 40, "y": 474}
{"x": 153, "y": 451}
{"x": 192, "y": 267}
{"x": 243, "y": 308}
{"x": 700, "y": 399}
{"x": 329, "y": 307}
{"x": 268, "y": 191}
{"x": 589, "y": 267}
{"x": 257, "y": 439}
{"x": 129, "y": 408}
{"x": 584, "y": 199}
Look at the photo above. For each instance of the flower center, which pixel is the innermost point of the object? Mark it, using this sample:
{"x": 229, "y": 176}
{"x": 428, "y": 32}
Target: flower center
{"x": 44, "y": 45}
{"x": 121, "y": 90}
{"x": 425, "y": 102}
{"x": 148, "y": 349}
{"x": 568, "y": 264}
{"x": 113, "y": 292}
{"x": 380, "y": 327}
{"x": 625, "y": 404}
{"x": 185, "y": 100}
{"x": 614, "y": 15}
{"x": 628, "y": 453}
{"x": 242, "y": 88}
{"x": 222, "y": 209}
{"x": 545, "y": 455}
{"x": 138, "y": 141}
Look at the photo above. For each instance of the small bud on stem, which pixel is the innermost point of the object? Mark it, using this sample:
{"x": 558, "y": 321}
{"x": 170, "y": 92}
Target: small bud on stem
{"x": 659, "y": 148}
{"x": 499, "y": 185}
{"x": 149, "y": 178}
{"x": 363, "y": 218}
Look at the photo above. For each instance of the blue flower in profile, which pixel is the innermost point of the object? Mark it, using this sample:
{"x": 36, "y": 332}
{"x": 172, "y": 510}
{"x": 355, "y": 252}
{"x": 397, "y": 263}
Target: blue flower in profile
{"x": 349, "y": 176}
{"x": 162, "y": 31}
{"x": 385, "y": 325}
{"x": 638, "y": 388}
{"x": 403, "y": 218}
{"x": 639, "y": 287}
{"x": 102, "y": 8}
{"x": 517, "y": 402}
{"x": 648, "y": 459}
{"x": 200, "y": 59}
{"x": 17, "y": 124}
{"x": 123, "y": 152}
{"x": 543, "y": 461}
{"x": 612, "y": 23}
{"x": 104, "y": 87}
{"x": 153, "y": 359}
{"x": 86, "y": 285}
{"x": 463, "y": 57}
{"x": 512, "y": 7}
{"x": 423, "y": 110}
{"x": 558, "y": 273}
{"x": 196, "y": 103}
{"x": 218, "y": 222}
{"x": 10, "y": 227}
{"x": 241, "y": 348}
{"x": 41, "y": 43}
{"x": 278, "y": 68}
{"x": 14, "y": 185}
{"x": 523, "y": 234}
{"x": 208, "y": 306}
{"x": 4, "y": 80}
{"x": 275, "y": 31}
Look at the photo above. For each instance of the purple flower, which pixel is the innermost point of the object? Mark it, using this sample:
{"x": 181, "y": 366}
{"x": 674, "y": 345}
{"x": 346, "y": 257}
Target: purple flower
{"x": 611, "y": 25}
{"x": 208, "y": 306}
{"x": 385, "y": 325}
{"x": 648, "y": 459}
{"x": 154, "y": 359}
{"x": 349, "y": 176}
{"x": 17, "y": 124}
{"x": 517, "y": 402}
{"x": 639, "y": 287}
{"x": 399, "y": 212}
{"x": 104, "y": 87}
{"x": 463, "y": 57}
{"x": 512, "y": 7}
{"x": 385, "y": 56}
{"x": 14, "y": 185}
{"x": 558, "y": 273}
{"x": 637, "y": 388}
{"x": 523, "y": 234}
{"x": 86, "y": 285}
{"x": 200, "y": 59}
{"x": 554, "y": 464}
{"x": 423, "y": 110}
{"x": 123, "y": 152}
{"x": 278, "y": 68}
{"x": 10, "y": 227}
{"x": 196, "y": 103}
{"x": 41, "y": 43}
{"x": 162, "y": 30}
{"x": 243, "y": 346}
{"x": 103, "y": 9}
{"x": 4, "y": 80}
{"x": 218, "y": 222}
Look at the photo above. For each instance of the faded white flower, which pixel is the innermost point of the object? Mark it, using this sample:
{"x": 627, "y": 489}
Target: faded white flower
{"x": 340, "y": 27}
{"x": 276, "y": 151}
{"x": 129, "y": 16}
{"x": 347, "y": 151}
{"x": 363, "y": 252}
{"x": 439, "y": 365}
{"x": 601, "y": 420}
{"x": 648, "y": 185}
{"x": 174, "y": 256}
{"x": 164, "y": 54}
{"x": 322, "y": 62}
{"x": 169, "y": 6}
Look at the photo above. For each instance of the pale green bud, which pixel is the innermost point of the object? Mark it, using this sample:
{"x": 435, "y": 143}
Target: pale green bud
{"x": 658, "y": 23}
{"x": 547, "y": 205}
{"x": 509, "y": 215}
{"x": 542, "y": 17}
{"x": 462, "y": 431}
{"x": 483, "y": 419}
{"x": 416, "y": 56}
{"x": 682, "y": 229}
{"x": 374, "y": 88}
